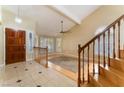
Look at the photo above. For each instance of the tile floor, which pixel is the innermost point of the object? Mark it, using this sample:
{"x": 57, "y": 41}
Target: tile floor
{"x": 32, "y": 74}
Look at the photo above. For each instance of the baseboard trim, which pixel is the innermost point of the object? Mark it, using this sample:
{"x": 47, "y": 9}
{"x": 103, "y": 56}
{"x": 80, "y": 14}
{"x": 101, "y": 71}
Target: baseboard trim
{"x": 2, "y": 66}
{"x": 29, "y": 59}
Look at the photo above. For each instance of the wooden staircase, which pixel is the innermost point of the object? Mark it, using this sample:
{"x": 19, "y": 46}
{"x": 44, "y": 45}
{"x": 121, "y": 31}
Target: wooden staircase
{"x": 110, "y": 76}
{"x": 110, "y": 69}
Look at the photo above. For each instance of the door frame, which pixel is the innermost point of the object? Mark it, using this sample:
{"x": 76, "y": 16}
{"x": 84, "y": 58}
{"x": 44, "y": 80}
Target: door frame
{"x": 4, "y": 29}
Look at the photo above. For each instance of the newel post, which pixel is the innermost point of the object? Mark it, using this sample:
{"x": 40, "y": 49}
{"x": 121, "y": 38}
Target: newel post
{"x": 46, "y": 56}
{"x": 79, "y": 64}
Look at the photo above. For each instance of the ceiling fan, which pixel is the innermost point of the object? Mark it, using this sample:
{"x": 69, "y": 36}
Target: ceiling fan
{"x": 62, "y": 31}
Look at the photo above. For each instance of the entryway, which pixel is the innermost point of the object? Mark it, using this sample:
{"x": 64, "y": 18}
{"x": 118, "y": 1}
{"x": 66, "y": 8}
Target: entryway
{"x": 15, "y": 45}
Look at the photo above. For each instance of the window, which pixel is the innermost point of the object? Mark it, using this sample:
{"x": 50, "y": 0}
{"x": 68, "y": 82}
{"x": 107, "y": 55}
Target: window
{"x": 58, "y": 44}
{"x": 53, "y": 43}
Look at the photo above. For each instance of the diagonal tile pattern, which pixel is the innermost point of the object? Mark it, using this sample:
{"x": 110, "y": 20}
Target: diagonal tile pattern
{"x": 31, "y": 74}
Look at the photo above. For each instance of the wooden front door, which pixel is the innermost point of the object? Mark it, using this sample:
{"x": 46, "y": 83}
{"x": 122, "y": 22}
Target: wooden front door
{"x": 15, "y": 46}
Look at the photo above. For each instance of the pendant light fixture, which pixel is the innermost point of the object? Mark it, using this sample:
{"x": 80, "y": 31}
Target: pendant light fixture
{"x": 17, "y": 18}
{"x": 62, "y": 31}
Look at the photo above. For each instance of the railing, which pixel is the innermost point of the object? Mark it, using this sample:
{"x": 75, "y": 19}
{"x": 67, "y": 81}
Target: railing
{"x": 84, "y": 68}
{"x": 41, "y": 53}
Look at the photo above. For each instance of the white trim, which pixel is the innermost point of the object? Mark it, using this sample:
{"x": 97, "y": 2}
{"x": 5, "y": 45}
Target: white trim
{"x": 30, "y": 59}
{"x": 2, "y": 66}
{"x": 4, "y": 44}
{"x": 26, "y": 51}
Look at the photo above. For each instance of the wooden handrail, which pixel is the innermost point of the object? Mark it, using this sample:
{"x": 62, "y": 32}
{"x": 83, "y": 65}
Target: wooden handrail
{"x": 106, "y": 29}
{"x": 92, "y": 41}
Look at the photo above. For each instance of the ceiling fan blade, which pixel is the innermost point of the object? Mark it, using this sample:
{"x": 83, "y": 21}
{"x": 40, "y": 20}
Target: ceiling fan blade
{"x": 63, "y": 32}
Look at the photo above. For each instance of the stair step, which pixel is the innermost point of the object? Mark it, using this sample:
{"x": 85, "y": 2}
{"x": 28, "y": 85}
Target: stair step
{"x": 113, "y": 75}
{"x": 117, "y": 64}
{"x": 100, "y": 81}
{"x": 115, "y": 71}
{"x": 122, "y": 54}
{"x": 85, "y": 84}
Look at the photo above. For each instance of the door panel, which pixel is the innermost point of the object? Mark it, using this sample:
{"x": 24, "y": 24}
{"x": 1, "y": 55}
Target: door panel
{"x": 15, "y": 46}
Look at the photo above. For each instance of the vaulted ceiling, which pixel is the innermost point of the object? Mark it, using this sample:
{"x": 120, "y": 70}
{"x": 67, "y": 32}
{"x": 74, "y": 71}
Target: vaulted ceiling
{"x": 48, "y": 18}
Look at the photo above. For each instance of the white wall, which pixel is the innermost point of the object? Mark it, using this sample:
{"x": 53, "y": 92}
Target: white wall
{"x": 1, "y": 39}
{"x": 81, "y": 34}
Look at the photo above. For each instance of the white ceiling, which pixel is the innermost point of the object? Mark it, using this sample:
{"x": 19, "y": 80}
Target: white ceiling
{"x": 81, "y": 11}
{"x": 48, "y": 19}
